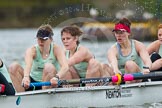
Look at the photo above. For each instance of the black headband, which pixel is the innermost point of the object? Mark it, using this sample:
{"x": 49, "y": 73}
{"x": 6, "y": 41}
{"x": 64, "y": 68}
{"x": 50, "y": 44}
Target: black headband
{"x": 44, "y": 34}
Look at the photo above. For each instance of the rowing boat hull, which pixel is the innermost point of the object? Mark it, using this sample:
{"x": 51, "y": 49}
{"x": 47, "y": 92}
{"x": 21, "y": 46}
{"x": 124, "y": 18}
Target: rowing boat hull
{"x": 98, "y": 96}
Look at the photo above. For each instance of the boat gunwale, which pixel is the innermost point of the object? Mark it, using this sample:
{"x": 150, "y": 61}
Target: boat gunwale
{"x": 90, "y": 88}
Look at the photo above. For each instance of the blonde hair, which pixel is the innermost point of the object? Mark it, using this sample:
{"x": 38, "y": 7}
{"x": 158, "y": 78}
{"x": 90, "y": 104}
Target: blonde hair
{"x": 160, "y": 26}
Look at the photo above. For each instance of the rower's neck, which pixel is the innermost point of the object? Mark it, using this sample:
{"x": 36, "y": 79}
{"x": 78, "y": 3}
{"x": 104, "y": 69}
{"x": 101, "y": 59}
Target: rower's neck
{"x": 126, "y": 45}
{"x": 45, "y": 51}
{"x": 72, "y": 51}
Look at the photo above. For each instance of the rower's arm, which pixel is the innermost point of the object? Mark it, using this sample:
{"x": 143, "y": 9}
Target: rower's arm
{"x": 153, "y": 47}
{"x": 81, "y": 55}
{"x": 112, "y": 59}
{"x": 28, "y": 61}
{"x": 28, "y": 64}
{"x": 62, "y": 61}
{"x": 141, "y": 49}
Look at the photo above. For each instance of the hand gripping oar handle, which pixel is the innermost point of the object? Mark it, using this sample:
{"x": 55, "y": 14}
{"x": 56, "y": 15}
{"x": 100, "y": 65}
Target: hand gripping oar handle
{"x": 76, "y": 81}
{"x": 39, "y": 84}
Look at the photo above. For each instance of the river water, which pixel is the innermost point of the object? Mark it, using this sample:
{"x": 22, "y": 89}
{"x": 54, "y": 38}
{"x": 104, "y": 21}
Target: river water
{"x": 14, "y": 42}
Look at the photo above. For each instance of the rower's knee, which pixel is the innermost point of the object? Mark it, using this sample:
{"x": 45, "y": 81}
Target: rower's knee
{"x": 160, "y": 62}
{"x": 49, "y": 68}
{"x": 13, "y": 68}
{"x": 108, "y": 71}
{"x": 130, "y": 65}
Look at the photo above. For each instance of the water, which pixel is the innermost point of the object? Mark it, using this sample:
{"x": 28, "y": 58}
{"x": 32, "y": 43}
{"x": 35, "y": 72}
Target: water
{"x": 14, "y": 42}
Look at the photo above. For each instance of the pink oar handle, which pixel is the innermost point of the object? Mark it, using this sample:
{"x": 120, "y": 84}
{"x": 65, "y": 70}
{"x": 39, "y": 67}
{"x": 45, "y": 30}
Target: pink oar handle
{"x": 114, "y": 79}
{"x": 128, "y": 77}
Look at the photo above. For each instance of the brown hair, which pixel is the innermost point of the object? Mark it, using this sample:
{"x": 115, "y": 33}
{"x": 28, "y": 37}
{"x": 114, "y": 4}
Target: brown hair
{"x": 124, "y": 21}
{"x": 73, "y": 30}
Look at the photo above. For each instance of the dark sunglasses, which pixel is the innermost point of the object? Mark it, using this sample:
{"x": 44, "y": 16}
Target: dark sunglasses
{"x": 119, "y": 32}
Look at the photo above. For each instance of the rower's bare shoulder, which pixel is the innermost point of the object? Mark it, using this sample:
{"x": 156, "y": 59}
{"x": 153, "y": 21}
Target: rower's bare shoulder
{"x": 138, "y": 42}
{"x": 84, "y": 50}
{"x": 113, "y": 48}
{"x": 153, "y": 47}
{"x": 139, "y": 46}
{"x": 31, "y": 51}
{"x": 154, "y": 44}
{"x": 57, "y": 49}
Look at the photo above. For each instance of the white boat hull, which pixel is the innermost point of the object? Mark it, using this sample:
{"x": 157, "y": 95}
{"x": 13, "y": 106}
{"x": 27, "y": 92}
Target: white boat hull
{"x": 100, "y": 96}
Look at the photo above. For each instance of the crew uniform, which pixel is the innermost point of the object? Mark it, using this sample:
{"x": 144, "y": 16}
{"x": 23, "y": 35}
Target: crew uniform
{"x": 38, "y": 65}
{"x": 81, "y": 68}
{"x": 132, "y": 56}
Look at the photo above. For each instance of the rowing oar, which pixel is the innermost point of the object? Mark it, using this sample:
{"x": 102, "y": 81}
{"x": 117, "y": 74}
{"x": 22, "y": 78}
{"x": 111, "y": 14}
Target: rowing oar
{"x": 115, "y": 79}
{"x": 139, "y": 76}
{"x": 78, "y": 81}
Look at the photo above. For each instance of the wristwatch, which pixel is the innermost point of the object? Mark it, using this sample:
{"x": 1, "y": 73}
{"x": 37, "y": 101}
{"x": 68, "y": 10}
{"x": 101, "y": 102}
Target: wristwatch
{"x": 146, "y": 67}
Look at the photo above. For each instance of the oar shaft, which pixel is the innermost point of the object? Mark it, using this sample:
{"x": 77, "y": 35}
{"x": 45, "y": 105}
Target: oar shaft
{"x": 77, "y": 81}
{"x": 126, "y": 77}
{"x": 95, "y": 80}
{"x": 137, "y": 76}
{"x": 87, "y": 80}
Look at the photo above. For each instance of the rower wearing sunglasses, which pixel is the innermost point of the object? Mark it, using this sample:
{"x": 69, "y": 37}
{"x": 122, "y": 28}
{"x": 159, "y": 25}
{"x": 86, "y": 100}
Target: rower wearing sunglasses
{"x": 42, "y": 62}
{"x": 127, "y": 55}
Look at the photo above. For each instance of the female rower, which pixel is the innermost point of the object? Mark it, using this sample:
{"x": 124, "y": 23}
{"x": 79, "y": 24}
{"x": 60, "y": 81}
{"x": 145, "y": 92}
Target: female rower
{"x": 42, "y": 62}
{"x": 6, "y": 87}
{"x": 155, "y": 50}
{"x": 80, "y": 60}
{"x": 127, "y": 55}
